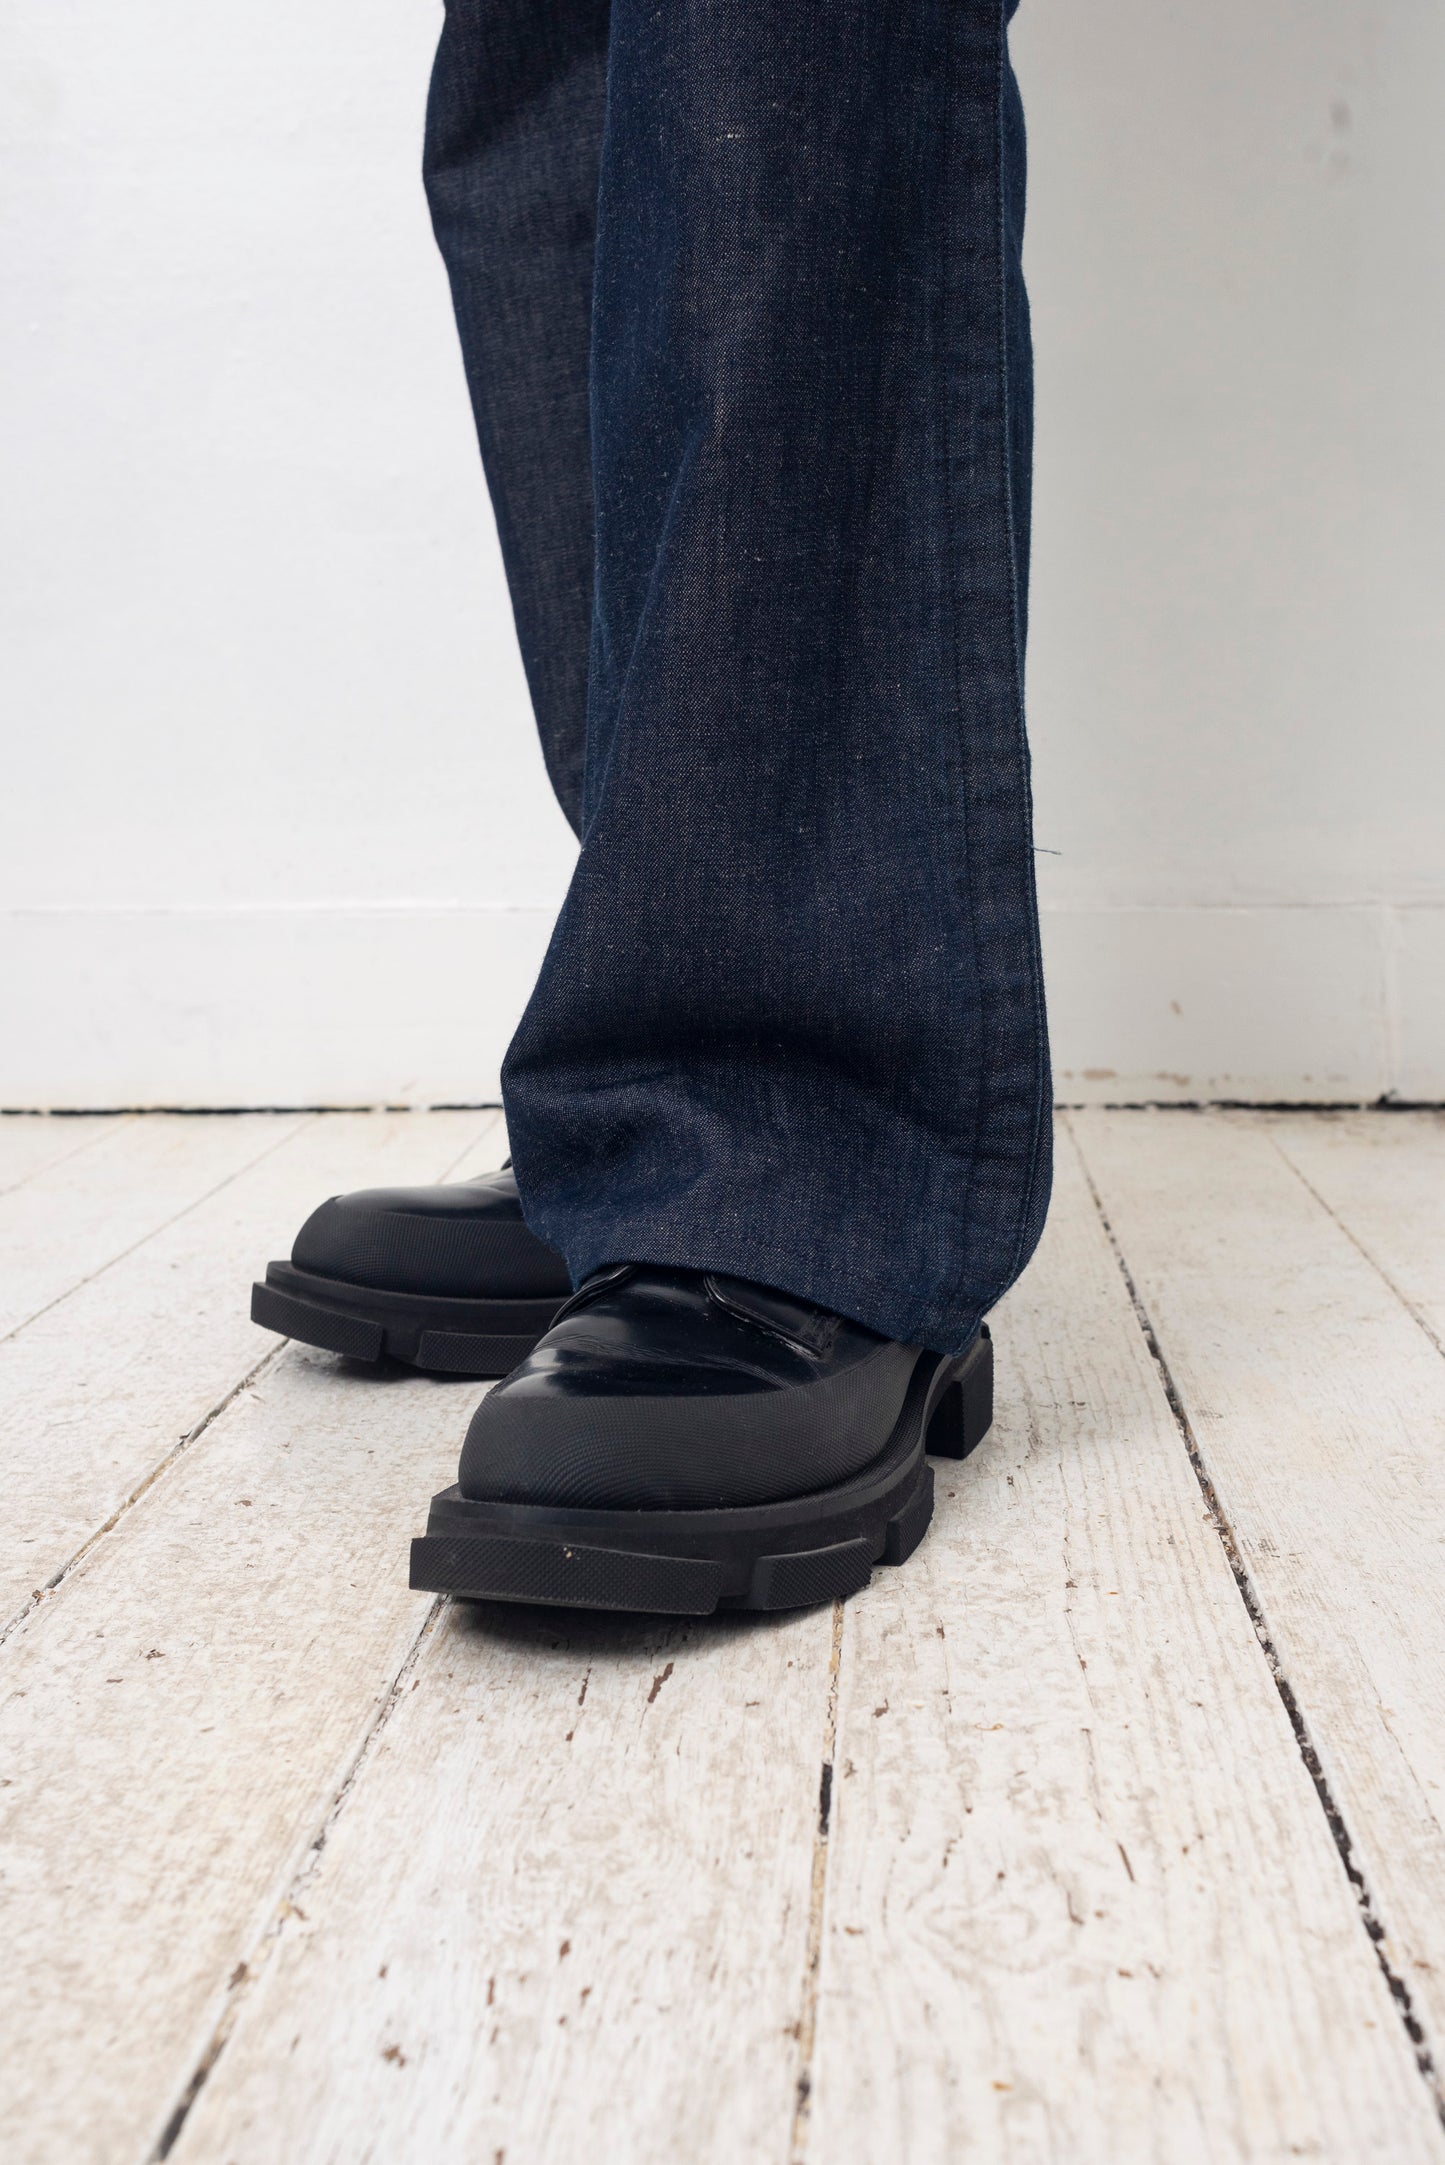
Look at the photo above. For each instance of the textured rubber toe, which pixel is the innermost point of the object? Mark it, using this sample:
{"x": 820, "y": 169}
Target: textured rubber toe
{"x": 786, "y": 1554}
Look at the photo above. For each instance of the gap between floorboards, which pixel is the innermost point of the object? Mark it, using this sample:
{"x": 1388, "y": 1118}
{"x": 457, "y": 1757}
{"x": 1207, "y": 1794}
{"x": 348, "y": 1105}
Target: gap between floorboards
{"x": 1334, "y": 1818}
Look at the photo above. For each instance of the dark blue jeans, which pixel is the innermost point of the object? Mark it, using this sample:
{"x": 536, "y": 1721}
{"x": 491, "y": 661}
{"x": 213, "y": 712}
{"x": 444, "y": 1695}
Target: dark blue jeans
{"x": 740, "y": 298}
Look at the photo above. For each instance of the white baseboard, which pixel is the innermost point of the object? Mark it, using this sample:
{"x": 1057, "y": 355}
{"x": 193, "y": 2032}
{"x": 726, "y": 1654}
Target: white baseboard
{"x": 1327, "y": 1005}
{"x": 414, "y": 1004}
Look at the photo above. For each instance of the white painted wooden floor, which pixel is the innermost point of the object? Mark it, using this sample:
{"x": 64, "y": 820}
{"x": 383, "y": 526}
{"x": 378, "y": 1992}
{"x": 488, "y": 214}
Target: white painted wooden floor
{"x": 1111, "y": 1829}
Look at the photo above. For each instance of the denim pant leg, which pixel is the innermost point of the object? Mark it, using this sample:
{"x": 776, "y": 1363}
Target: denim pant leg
{"x": 791, "y": 1023}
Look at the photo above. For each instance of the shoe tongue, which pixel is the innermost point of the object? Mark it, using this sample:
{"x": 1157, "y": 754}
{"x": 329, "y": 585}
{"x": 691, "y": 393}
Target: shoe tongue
{"x": 609, "y": 1275}
{"x": 786, "y": 1315}
{"x": 500, "y": 1175}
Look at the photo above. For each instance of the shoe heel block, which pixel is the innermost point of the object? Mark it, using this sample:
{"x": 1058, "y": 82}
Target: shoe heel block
{"x": 963, "y": 1414}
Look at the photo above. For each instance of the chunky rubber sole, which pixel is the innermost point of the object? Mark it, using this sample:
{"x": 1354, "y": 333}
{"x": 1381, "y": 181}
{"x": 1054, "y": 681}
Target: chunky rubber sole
{"x": 787, "y": 1555}
{"x": 458, "y": 1337}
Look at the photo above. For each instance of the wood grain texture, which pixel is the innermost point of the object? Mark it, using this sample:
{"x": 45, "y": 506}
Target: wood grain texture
{"x": 98, "y": 1391}
{"x": 1318, "y": 1405}
{"x": 563, "y": 1913}
{"x": 428, "y": 1885}
{"x": 1082, "y": 1902}
{"x": 1382, "y": 1175}
{"x": 80, "y": 1213}
{"x": 175, "y": 1724}
{"x": 29, "y": 1142}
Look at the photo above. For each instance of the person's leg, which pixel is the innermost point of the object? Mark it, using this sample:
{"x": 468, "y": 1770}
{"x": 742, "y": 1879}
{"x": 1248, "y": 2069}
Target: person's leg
{"x": 790, "y": 1026}
{"x": 811, "y": 1046}
{"x": 781, "y": 1096}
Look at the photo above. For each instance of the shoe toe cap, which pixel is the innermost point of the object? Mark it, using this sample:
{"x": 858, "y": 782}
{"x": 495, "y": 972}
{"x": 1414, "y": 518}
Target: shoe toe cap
{"x": 639, "y": 1443}
{"x": 415, "y": 1240}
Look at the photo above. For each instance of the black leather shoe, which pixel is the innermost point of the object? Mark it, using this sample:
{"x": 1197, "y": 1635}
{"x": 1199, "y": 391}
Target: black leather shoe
{"x": 443, "y": 1277}
{"x": 681, "y": 1441}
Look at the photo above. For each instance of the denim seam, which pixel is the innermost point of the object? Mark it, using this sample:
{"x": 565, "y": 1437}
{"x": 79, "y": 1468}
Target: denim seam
{"x": 1041, "y": 1091}
{"x": 968, "y": 1158}
{"x": 1000, "y": 1280}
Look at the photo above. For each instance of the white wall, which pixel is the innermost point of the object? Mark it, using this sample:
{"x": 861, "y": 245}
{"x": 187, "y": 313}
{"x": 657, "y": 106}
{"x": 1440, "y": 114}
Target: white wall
{"x": 275, "y": 827}
{"x": 1238, "y": 263}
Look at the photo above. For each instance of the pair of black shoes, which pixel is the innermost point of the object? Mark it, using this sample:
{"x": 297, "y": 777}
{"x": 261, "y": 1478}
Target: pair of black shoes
{"x": 666, "y": 1440}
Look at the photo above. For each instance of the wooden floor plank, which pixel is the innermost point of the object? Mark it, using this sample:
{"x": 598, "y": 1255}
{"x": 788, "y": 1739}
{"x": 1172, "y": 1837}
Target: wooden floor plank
{"x": 1383, "y": 1176}
{"x": 174, "y": 1725}
{"x": 1082, "y": 1902}
{"x": 563, "y": 1913}
{"x": 546, "y": 1885}
{"x": 1318, "y": 1405}
{"x": 97, "y": 1391}
{"x": 486, "y": 1150}
{"x": 29, "y": 1142}
{"x": 80, "y": 1213}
